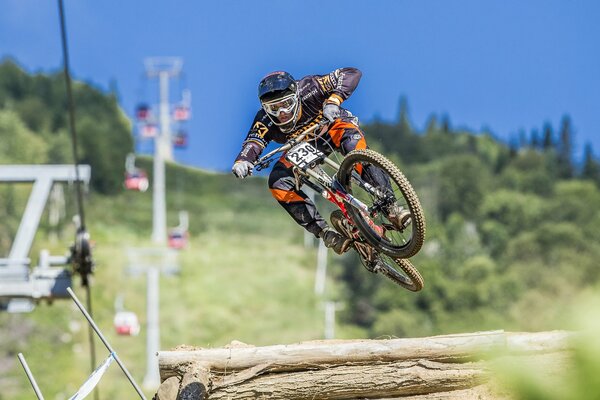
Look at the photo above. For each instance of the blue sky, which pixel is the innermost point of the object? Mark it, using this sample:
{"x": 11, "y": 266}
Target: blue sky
{"x": 507, "y": 65}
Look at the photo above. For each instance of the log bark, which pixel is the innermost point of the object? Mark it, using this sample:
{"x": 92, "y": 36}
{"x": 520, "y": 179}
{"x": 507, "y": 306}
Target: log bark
{"x": 307, "y": 354}
{"x": 481, "y": 392}
{"x": 538, "y": 342}
{"x": 341, "y": 369}
{"x": 344, "y": 382}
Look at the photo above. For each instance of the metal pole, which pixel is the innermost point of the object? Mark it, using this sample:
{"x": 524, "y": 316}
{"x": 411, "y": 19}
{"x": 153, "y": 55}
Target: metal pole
{"x": 152, "y": 378}
{"x": 101, "y": 336}
{"x": 329, "y": 320}
{"x": 161, "y": 147}
{"x": 34, "y": 384}
{"x": 163, "y": 68}
{"x": 159, "y": 230}
{"x": 165, "y": 116}
{"x": 330, "y": 309}
{"x": 321, "y": 273}
{"x": 31, "y": 218}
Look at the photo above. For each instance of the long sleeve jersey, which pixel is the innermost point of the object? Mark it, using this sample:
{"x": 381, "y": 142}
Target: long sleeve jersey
{"x": 314, "y": 90}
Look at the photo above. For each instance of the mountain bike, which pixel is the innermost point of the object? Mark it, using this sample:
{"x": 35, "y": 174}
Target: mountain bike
{"x": 382, "y": 217}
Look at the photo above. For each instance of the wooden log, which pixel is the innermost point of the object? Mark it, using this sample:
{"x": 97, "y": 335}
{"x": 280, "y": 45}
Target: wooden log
{"x": 195, "y": 382}
{"x": 341, "y": 369}
{"x": 169, "y": 389}
{"x": 307, "y": 354}
{"x": 481, "y": 392}
{"x": 346, "y": 382}
{"x": 304, "y": 355}
{"x": 538, "y": 342}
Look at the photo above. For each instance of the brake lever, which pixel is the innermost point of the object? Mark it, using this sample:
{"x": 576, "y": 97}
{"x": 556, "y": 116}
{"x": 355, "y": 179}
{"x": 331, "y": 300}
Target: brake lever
{"x": 262, "y": 165}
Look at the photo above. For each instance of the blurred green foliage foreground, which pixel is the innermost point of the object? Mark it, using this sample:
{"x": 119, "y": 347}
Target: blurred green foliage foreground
{"x": 578, "y": 379}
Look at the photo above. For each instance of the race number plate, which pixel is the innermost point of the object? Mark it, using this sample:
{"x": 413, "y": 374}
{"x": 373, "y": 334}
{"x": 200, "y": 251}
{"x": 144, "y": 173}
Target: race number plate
{"x": 303, "y": 154}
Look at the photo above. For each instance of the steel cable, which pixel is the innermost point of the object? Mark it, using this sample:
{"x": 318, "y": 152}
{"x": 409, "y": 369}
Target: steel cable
{"x": 81, "y": 230}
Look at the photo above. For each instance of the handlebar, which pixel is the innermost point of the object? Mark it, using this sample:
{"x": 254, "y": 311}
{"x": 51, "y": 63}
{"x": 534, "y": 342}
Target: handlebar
{"x": 265, "y": 160}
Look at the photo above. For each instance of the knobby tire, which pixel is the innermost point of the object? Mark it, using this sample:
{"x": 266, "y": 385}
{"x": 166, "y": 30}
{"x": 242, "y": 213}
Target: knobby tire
{"x": 411, "y": 279}
{"x": 415, "y": 242}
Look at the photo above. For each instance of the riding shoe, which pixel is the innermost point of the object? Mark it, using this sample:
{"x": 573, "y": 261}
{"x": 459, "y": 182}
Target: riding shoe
{"x": 333, "y": 240}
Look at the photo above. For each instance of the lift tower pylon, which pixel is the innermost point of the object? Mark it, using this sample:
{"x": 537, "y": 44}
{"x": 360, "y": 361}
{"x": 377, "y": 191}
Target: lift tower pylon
{"x": 163, "y": 68}
{"x": 20, "y": 286}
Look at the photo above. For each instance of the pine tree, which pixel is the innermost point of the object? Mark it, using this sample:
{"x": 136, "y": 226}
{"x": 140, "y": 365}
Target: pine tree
{"x": 432, "y": 125}
{"x": 522, "y": 139}
{"x": 534, "y": 142}
{"x": 591, "y": 167}
{"x": 548, "y": 139}
{"x": 446, "y": 124}
{"x": 565, "y": 149}
{"x": 403, "y": 119}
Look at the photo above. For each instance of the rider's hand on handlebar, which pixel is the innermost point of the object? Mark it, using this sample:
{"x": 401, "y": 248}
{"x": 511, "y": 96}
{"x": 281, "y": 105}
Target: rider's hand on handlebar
{"x": 331, "y": 109}
{"x": 242, "y": 168}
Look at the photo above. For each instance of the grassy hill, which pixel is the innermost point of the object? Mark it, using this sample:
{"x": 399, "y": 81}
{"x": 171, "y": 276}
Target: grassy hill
{"x": 246, "y": 275}
{"x": 512, "y": 241}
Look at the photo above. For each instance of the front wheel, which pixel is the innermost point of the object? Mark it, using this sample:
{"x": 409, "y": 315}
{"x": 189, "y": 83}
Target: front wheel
{"x": 394, "y": 222}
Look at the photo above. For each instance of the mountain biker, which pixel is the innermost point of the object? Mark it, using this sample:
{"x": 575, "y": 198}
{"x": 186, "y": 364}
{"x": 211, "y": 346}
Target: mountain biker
{"x": 289, "y": 107}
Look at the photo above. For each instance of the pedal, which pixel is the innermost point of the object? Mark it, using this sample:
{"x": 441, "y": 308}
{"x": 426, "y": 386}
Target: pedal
{"x": 341, "y": 224}
{"x": 367, "y": 255}
{"x": 347, "y": 245}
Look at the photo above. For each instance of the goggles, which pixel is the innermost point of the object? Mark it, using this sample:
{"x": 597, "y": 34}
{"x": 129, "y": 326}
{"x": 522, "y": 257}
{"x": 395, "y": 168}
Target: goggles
{"x": 283, "y": 105}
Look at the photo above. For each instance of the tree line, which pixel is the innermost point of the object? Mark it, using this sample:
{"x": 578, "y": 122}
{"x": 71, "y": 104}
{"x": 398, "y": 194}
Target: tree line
{"x": 512, "y": 235}
{"x": 34, "y": 125}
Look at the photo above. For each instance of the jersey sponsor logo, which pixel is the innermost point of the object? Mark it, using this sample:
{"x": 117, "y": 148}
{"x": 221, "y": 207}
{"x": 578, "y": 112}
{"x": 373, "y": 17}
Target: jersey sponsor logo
{"x": 334, "y": 78}
{"x": 260, "y": 129}
{"x": 340, "y": 80}
{"x": 325, "y": 83}
{"x": 301, "y": 129}
{"x": 309, "y": 94}
{"x": 246, "y": 150}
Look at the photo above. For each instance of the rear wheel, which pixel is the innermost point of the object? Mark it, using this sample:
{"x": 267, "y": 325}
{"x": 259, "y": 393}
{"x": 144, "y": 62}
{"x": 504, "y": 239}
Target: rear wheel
{"x": 400, "y": 271}
{"x": 394, "y": 222}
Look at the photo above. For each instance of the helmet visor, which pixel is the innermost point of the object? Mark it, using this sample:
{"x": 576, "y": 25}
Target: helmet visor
{"x": 282, "y": 108}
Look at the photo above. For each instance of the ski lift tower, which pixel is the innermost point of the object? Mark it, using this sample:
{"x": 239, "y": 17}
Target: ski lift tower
{"x": 163, "y": 68}
{"x": 152, "y": 262}
{"x": 20, "y": 286}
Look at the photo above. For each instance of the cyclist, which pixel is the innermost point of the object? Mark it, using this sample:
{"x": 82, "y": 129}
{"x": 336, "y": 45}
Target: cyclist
{"x": 289, "y": 107}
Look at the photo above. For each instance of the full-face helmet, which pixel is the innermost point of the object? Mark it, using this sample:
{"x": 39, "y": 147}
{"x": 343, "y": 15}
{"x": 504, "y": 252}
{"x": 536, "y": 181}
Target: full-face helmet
{"x": 278, "y": 94}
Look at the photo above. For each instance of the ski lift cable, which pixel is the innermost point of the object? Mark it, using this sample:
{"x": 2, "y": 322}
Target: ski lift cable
{"x": 71, "y": 109}
{"x": 82, "y": 236}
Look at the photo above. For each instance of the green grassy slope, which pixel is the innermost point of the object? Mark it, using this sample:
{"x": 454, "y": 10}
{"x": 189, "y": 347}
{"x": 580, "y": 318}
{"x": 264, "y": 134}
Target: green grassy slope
{"x": 246, "y": 276}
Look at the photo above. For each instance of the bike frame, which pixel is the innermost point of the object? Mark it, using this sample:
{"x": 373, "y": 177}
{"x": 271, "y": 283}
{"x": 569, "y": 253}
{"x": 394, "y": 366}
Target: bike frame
{"x": 326, "y": 185}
